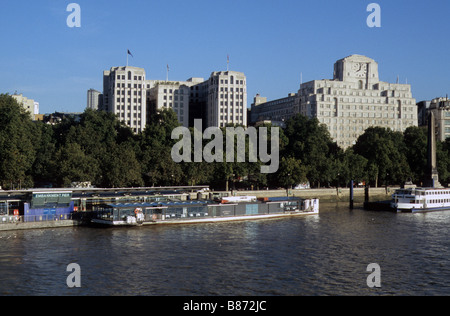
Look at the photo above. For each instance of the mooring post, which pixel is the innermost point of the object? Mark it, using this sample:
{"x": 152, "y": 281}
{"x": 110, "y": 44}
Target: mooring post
{"x": 351, "y": 194}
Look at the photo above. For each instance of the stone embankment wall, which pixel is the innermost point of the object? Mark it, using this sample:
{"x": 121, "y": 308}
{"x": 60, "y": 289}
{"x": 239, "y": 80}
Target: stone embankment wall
{"x": 38, "y": 225}
{"x": 326, "y": 194}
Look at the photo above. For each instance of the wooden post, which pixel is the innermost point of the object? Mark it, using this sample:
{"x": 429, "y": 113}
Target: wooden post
{"x": 351, "y": 194}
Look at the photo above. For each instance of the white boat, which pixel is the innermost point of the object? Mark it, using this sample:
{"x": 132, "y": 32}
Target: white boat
{"x": 421, "y": 200}
{"x": 238, "y": 199}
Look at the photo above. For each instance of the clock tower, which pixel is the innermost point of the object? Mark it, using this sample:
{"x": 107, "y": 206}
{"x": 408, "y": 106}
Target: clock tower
{"x": 361, "y": 70}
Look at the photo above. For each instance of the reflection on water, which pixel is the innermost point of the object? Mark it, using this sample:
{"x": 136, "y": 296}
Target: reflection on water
{"x": 325, "y": 254}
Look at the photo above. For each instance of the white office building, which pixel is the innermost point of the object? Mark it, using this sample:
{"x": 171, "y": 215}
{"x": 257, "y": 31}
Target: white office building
{"x": 227, "y": 99}
{"x": 440, "y": 107}
{"x": 30, "y": 105}
{"x": 355, "y": 99}
{"x": 218, "y": 101}
{"x": 124, "y": 94}
{"x": 170, "y": 95}
{"x": 275, "y": 111}
{"x": 94, "y": 99}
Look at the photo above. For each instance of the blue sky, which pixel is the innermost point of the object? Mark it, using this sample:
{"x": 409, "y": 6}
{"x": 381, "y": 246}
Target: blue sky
{"x": 272, "y": 42}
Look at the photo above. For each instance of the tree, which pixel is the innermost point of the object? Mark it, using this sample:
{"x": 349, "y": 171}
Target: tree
{"x": 106, "y": 143}
{"x": 73, "y": 165}
{"x": 310, "y": 142}
{"x": 17, "y": 152}
{"x": 123, "y": 168}
{"x": 156, "y": 144}
{"x": 291, "y": 172}
{"x": 416, "y": 152}
{"x": 384, "y": 151}
{"x": 45, "y": 146}
{"x": 353, "y": 167}
{"x": 443, "y": 161}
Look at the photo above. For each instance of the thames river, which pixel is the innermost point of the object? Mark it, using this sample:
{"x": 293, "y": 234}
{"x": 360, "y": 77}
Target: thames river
{"x": 327, "y": 254}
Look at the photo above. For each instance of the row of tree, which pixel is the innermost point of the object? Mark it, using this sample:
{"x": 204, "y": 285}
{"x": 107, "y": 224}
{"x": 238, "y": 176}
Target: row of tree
{"x": 100, "y": 149}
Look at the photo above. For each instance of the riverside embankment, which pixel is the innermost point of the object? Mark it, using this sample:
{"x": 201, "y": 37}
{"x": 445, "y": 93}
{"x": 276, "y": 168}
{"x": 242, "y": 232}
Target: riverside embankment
{"x": 324, "y": 195}
{"x": 38, "y": 225}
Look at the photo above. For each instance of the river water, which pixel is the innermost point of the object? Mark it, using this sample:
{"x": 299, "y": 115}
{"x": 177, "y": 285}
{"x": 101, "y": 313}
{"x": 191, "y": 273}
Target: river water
{"x": 327, "y": 254}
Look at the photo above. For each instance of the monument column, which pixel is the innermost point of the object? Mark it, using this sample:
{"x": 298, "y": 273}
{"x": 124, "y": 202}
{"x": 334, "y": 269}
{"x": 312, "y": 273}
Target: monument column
{"x": 431, "y": 174}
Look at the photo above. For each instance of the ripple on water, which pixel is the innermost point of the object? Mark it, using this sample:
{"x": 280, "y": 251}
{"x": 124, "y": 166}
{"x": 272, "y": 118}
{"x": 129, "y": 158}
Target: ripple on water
{"x": 319, "y": 255}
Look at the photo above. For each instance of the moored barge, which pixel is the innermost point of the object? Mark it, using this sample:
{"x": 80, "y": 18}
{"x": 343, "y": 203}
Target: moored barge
{"x": 198, "y": 211}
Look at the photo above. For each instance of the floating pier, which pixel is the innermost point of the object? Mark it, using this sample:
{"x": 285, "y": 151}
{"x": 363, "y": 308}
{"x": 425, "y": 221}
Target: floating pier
{"x": 376, "y": 205}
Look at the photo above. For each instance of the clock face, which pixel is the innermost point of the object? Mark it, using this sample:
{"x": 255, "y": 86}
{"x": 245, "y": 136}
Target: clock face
{"x": 360, "y": 69}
